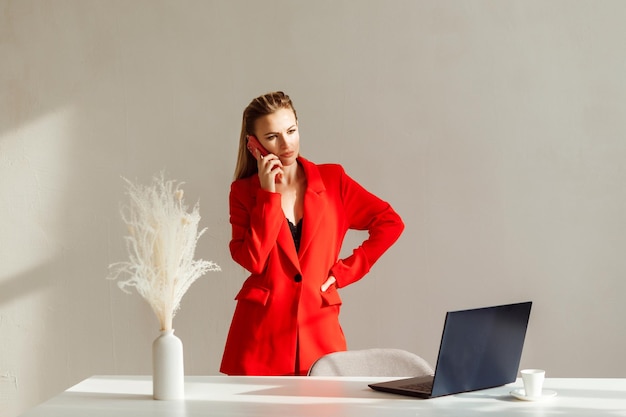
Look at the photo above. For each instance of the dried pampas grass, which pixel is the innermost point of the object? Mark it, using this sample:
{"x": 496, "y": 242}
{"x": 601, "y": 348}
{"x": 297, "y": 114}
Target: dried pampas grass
{"x": 161, "y": 245}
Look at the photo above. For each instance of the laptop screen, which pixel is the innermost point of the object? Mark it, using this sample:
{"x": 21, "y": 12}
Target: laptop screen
{"x": 480, "y": 348}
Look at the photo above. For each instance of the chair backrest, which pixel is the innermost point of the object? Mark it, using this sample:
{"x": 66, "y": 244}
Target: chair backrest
{"x": 371, "y": 362}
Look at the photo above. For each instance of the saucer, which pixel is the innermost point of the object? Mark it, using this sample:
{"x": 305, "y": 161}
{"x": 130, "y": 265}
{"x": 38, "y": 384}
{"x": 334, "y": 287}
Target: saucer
{"x": 520, "y": 394}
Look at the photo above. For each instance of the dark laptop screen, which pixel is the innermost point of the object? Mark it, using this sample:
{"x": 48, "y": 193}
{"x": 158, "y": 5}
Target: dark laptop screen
{"x": 482, "y": 348}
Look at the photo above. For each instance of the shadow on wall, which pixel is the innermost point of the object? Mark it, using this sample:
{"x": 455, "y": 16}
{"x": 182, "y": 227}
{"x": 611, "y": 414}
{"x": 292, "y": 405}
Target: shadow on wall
{"x": 54, "y": 246}
{"x": 88, "y": 101}
{"x": 63, "y": 147}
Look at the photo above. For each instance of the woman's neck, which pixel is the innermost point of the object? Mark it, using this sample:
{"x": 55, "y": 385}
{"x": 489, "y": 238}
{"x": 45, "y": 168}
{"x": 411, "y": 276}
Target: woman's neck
{"x": 292, "y": 174}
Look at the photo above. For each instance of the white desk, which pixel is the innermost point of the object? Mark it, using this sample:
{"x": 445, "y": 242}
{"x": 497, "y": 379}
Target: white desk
{"x": 122, "y": 396}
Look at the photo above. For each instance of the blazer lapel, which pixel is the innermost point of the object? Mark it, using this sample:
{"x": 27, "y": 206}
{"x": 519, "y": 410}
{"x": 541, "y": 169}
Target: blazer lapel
{"x": 314, "y": 205}
{"x": 285, "y": 242}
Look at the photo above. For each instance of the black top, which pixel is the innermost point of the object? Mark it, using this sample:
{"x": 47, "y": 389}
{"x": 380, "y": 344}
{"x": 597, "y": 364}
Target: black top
{"x": 296, "y": 233}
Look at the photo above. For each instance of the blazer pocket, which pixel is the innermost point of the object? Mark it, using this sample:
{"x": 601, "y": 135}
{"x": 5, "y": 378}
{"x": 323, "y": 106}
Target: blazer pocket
{"x": 258, "y": 295}
{"x": 331, "y": 297}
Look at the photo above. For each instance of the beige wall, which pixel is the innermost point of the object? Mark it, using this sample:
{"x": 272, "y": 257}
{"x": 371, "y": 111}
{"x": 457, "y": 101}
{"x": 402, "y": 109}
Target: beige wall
{"x": 495, "y": 128}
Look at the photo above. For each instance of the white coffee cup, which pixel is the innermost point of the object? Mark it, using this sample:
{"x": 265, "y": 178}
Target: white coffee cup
{"x": 533, "y": 381}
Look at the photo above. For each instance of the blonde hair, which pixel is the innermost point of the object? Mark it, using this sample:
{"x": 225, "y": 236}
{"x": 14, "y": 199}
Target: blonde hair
{"x": 259, "y": 107}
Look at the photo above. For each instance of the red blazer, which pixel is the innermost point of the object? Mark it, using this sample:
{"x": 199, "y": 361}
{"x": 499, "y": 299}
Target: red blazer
{"x": 281, "y": 312}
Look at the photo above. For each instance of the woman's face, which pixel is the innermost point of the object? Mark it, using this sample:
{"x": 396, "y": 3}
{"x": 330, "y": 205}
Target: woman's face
{"x": 278, "y": 133}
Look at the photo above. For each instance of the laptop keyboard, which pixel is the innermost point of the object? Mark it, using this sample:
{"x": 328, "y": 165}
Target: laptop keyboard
{"x": 426, "y": 386}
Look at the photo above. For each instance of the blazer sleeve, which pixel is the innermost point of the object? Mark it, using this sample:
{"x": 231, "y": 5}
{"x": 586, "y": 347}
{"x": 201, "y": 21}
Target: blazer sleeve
{"x": 256, "y": 217}
{"x": 365, "y": 211}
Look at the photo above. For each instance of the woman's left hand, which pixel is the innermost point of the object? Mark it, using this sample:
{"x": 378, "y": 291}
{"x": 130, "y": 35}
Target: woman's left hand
{"x": 330, "y": 281}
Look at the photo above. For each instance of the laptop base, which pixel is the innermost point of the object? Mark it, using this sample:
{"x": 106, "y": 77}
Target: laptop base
{"x": 420, "y": 386}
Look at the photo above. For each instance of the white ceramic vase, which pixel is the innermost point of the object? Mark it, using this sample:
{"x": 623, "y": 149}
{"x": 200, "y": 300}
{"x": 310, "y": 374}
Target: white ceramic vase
{"x": 168, "y": 372}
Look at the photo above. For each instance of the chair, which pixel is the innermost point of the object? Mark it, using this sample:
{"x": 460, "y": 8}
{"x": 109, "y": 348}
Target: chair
{"x": 371, "y": 362}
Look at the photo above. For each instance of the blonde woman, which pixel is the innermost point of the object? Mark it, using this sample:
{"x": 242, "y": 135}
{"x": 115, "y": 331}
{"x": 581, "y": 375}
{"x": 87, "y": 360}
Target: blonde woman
{"x": 289, "y": 217}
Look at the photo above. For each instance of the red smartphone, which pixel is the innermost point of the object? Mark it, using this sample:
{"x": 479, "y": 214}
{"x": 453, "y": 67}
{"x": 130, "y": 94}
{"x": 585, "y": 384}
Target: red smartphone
{"x": 253, "y": 143}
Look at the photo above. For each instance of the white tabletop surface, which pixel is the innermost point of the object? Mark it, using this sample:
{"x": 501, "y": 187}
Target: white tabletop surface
{"x": 122, "y": 396}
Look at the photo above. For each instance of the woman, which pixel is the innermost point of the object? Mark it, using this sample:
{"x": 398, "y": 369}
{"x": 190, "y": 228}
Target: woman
{"x": 289, "y": 217}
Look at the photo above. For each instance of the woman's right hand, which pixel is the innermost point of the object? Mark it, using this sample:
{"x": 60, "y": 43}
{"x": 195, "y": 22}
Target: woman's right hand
{"x": 270, "y": 171}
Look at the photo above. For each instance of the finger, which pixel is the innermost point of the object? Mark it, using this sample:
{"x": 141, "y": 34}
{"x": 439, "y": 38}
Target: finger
{"x": 272, "y": 164}
{"x": 277, "y": 174}
{"x": 330, "y": 281}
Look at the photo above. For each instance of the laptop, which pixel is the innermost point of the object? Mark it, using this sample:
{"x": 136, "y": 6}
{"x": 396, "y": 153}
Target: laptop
{"x": 480, "y": 348}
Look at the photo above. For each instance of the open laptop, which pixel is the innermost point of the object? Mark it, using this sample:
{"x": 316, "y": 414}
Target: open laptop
{"x": 480, "y": 348}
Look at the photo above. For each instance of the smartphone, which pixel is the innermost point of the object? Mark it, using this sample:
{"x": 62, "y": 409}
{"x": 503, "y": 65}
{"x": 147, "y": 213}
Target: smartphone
{"x": 253, "y": 143}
